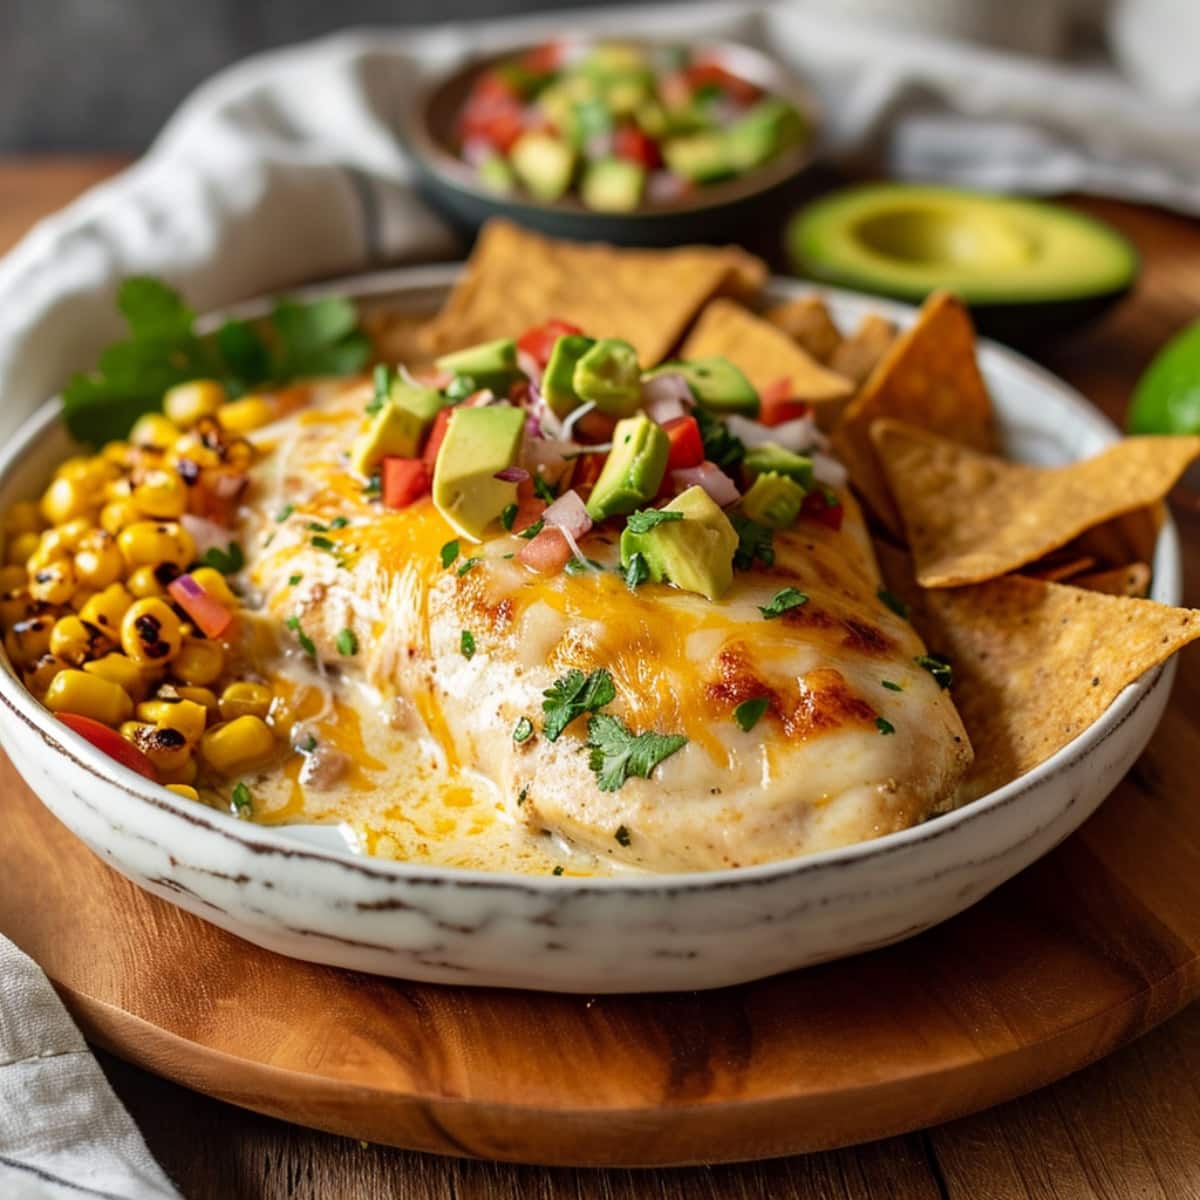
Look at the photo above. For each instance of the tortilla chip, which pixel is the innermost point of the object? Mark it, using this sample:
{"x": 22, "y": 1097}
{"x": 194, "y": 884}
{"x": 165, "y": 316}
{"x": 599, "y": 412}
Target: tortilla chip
{"x": 765, "y": 353}
{"x": 1131, "y": 537}
{"x": 1034, "y": 663}
{"x": 971, "y": 517}
{"x": 928, "y": 378}
{"x": 807, "y": 322}
{"x": 1130, "y": 580}
{"x": 859, "y": 354}
{"x": 1059, "y": 568}
{"x": 516, "y": 279}
{"x": 398, "y": 337}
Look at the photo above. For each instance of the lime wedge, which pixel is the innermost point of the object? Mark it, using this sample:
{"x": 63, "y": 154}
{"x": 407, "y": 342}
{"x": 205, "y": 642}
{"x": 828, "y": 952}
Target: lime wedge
{"x": 1167, "y": 397}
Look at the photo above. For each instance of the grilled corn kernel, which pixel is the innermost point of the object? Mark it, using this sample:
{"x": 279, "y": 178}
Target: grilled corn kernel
{"x": 118, "y": 668}
{"x": 186, "y": 403}
{"x": 245, "y": 700}
{"x": 75, "y": 641}
{"x": 66, "y": 499}
{"x": 117, "y": 514}
{"x": 150, "y": 543}
{"x": 205, "y": 698}
{"x": 91, "y": 471}
{"x": 161, "y": 494}
{"x": 23, "y": 517}
{"x": 106, "y": 608}
{"x": 247, "y": 414}
{"x": 80, "y": 597}
{"x": 89, "y": 696}
{"x": 43, "y": 672}
{"x": 116, "y": 453}
{"x": 28, "y": 639}
{"x": 186, "y": 716}
{"x": 213, "y": 582}
{"x": 98, "y": 561}
{"x": 55, "y": 583}
{"x": 183, "y": 789}
{"x": 154, "y": 430}
{"x": 151, "y": 632}
{"x": 143, "y": 583}
{"x": 199, "y": 662}
{"x": 166, "y": 748}
{"x": 21, "y": 548}
{"x": 238, "y": 745}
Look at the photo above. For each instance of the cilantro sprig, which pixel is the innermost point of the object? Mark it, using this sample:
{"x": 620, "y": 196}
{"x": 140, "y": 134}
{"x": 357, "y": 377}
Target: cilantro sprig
{"x": 573, "y": 695}
{"x": 755, "y": 543}
{"x": 163, "y": 349}
{"x": 616, "y": 753}
{"x": 720, "y": 446}
{"x": 783, "y": 601}
{"x": 646, "y": 519}
{"x": 938, "y": 667}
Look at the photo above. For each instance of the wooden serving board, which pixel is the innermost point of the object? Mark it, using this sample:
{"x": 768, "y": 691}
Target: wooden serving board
{"x": 1089, "y": 948}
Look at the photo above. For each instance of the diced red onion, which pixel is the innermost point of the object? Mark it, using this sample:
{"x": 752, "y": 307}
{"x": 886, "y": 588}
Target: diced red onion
{"x": 569, "y": 514}
{"x": 476, "y": 151}
{"x": 530, "y": 366}
{"x": 512, "y": 475}
{"x": 665, "y": 187}
{"x": 748, "y": 431}
{"x": 720, "y": 488}
{"x": 207, "y": 535}
{"x": 546, "y": 457}
{"x": 666, "y": 397}
{"x": 599, "y": 145}
{"x": 829, "y": 471}
{"x": 799, "y": 435}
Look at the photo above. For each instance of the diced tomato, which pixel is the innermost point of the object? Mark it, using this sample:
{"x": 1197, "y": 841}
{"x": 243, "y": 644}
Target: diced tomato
{"x": 777, "y": 405}
{"x": 493, "y": 87}
{"x": 541, "y": 60}
{"x": 539, "y": 341}
{"x": 816, "y": 507}
{"x": 529, "y": 508}
{"x": 403, "y": 481}
{"x": 587, "y": 471}
{"x": 547, "y": 553}
{"x": 109, "y": 742}
{"x": 704, "y": 72}
{"x": 687, "y": 446}
{"x": 211, "y": 616}
{"x": 596, "y": 425}
{"x": 675, "y": 90}
{"x": 437, "y": 435}
{"x": 629, "y": 142}
{"x": 493, "y": 113}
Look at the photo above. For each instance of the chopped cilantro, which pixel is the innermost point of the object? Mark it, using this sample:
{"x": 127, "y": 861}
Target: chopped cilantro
{"x": 373, "y": 486}
{"x": 339, "y": 522}
{"x": 382, "y": 378}
{"x": 622, "y": 835}
{"x": 467, "y": 565}
{"x": 616, "y": 753}
{"x": 285, "y": 512}
{"x": 449, "y": 552}
{"x": 893, "y": 602}
{"x": 294, "y": 579}
{"x": 466, "y": 643}
{"x": 321, "y": 542}
{"x": 755, "y": 541}
{"x": 750, "y": 712}
{"x": 582, "y": 566}
{"x": 891, "y": 687}
{"x": 317, "y": 527}
{"x": 508, "y": 516}
{"x": 557, "y": 871}
{"x": 532, "y": 531}
{"x": 347, "y": 643}
{"x": 522, "y": 732}
{"x": 228, "y": 561}
{"x": 460, "y": 387}
{"x": 720, "y": 446}
{"x": 938, "y": 667}
{"x": 243, "y": 801}
{"x": 522, "y": 796}
{"x": 884, "y": 725}
{"x": 543, "y": 490}
{"x": 573, "y": 695}
{"x": 783, "y": 601}
{"x": 637, "y": 572}
{"x": 646, "y": 519}
{"x": 306, "y": 643}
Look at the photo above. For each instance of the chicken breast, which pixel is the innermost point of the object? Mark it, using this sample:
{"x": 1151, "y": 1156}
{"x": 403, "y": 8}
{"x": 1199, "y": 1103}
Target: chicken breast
{"x": 855, "y": 740}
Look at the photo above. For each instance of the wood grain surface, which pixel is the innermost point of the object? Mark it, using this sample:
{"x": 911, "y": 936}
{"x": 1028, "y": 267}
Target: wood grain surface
{"x": 1108, "y": 924}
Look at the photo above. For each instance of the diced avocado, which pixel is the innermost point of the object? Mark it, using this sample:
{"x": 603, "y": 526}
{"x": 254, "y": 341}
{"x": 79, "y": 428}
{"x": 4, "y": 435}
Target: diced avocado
{"x": 652, "y": 119}
{"x": 590, "y": 119}
{"x": 633, "y": 470}
{"x": 423, "y": 402}
{"x": 613, "y": 185}
{"x": 491, "y": 364}
{"x": 625, "y": 93}
{"x": 496, "y": 175}
{"x": 609, "y": 375}
{"x": 478, "y": 443}
{"x": 557, "y": 102}
{"x": 716, "y": 384}
{"x": 695, "y": 554}
{"x": 771, "y": 458}
{"x": 615, "y": 58}
{"x": 558, "y": 378}
{"x": 769, "y": 127}
{"x": 774, "y": 500}
{"x": 394, "y": 430}
{"x": 701, "y": 157}
{"x": 544, "y": 164}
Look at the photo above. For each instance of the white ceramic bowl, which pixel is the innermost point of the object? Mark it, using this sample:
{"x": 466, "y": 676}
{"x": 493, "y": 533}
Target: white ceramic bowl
{"x": 296, "y": 891}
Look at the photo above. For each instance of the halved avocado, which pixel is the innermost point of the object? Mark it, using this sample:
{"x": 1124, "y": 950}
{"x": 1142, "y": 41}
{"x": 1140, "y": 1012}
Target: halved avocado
{"x": 1025, "y": 267}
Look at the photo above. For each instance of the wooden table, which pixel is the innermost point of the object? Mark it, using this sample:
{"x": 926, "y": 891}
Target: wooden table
{"x": 1129, "y": 1126}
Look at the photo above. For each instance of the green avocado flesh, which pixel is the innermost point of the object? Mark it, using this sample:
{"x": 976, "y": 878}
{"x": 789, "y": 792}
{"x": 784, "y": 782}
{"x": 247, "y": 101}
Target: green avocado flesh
{"x": 478, "y": 443}
{"x": 906, "y": 240}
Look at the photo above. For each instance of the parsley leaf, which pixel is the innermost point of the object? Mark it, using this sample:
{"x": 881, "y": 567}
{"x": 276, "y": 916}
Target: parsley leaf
{"x": 938, "y": 667}
{"x": 572, "y": 696}
{"x": 755, "y": 541}
{"x": 229, "y": 561}
{"x": 893, "y": 602}
{"x": 637, "y": 572}
{"x": 750, "y": 712}
{"x": 884, "y": 725}
{"x": 466, "y": 643}
{"x": 449, "y": 552}
{"x": 646, "y": 519}
{"x": 617, "y": 754}
{"x": 522, "y": 732}
{"x": 294, "y": 579}
{"x": 347, "y": 642}
{"x": 720, "y": 446}
{"x": 783, "y": 601}
{"x": 243, "y": 801}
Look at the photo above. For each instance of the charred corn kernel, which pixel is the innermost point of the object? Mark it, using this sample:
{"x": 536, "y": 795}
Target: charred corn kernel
{"x": 89, "y": 696}
{"x": 245, "y": 700}
{"x": 199, "y": 662}
{"x": 143, "y": 583}
{"x": 238, "y": 745}
{"x": 106, "y": 608}
{"x": 98, "y": 561}
{"x": 118, "y": 668}
{"x": 22, "y": 548}
{"x": 130, "y": 729}
{"x": 213, "y": 582}
{"x": 43, "y": 673}
{"x": 28, "y": 639}
{"x": 186, "y": 403}
{"x": 66, "y": 499}
{"x": 150, "y": 543}
{"x": 166, "y": 748}
{"x": 55, "y": 583}
{"x": 23, "y": 517}
{"x": 155, "y": 430}
{"x": 151, "y": 633}
{"x": 183, "y": 789}
{"x": 186, "y": 716}
{"x": 76, "y": 641}
{"x": 246, "y": 415}
{"x": 161, "y": 494}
